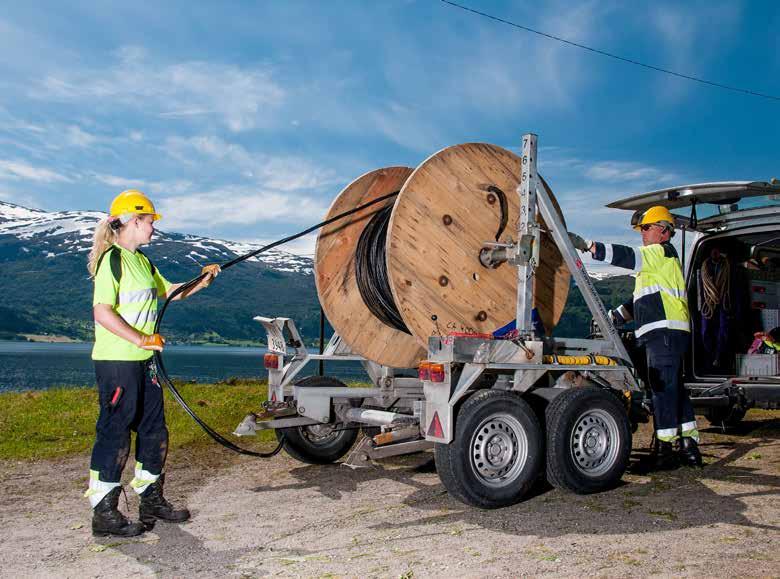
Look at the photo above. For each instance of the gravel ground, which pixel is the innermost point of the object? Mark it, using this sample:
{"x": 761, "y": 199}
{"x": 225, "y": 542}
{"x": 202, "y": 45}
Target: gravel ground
{"x": 280, "y": 517}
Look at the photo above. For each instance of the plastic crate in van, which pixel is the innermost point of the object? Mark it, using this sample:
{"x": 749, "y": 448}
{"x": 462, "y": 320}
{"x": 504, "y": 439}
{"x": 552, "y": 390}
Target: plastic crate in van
{"x": 758, "y": 364}
{"x": 770, "y": 319}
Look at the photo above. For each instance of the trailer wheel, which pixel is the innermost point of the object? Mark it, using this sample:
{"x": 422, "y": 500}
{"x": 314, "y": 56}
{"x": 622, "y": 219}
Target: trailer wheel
{"x": 318, "y": 443}
{"x": 588, "y": 440}
{"x": 729, "y": 416}
{"x": 496, "y": 453}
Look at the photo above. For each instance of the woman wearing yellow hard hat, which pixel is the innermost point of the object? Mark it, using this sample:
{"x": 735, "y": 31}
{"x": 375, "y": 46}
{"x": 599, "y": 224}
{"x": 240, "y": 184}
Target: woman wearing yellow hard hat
{"x": 127, "y": 287}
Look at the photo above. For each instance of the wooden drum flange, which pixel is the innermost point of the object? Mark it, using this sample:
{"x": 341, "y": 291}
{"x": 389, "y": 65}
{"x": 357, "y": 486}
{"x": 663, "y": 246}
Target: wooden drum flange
{"x": 448, "y": 208}
{"x": 334, "y": 268}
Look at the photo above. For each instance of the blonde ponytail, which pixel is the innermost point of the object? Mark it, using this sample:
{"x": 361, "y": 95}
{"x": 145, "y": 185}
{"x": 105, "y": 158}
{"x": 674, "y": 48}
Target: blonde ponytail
{"x": 103, "y": 239}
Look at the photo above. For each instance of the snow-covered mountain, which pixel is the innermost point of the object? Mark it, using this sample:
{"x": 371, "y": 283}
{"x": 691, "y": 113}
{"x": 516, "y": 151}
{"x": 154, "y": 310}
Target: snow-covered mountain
{"x": 46, "y": 288}
{"x": 66, "y": 232}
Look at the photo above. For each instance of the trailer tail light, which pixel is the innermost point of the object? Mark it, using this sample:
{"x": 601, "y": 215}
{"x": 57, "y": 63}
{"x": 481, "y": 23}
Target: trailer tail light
{"x": 271, "y": 361}
{"x": 431, "y": 371}
{"x": 437, "y": 372}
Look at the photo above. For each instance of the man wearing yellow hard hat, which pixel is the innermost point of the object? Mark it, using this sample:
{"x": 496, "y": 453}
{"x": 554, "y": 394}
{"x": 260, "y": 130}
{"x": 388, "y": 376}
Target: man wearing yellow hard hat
{"x": 127, "y": 287}
{"x": 659, "y": 307}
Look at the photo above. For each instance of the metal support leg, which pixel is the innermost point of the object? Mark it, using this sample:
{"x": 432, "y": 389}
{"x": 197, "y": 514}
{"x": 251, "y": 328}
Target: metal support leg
{"x": 577, "y": 268}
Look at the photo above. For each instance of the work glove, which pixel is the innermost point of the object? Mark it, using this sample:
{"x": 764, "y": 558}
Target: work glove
{"x": 211, "y": 272}
{"x": 152, "y": 342}
{"x": 579, "y": 243}
{"x": 617, "y": 319}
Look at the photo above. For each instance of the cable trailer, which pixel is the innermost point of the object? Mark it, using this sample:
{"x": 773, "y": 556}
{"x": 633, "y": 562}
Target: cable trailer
{"x": 496, "y": 412}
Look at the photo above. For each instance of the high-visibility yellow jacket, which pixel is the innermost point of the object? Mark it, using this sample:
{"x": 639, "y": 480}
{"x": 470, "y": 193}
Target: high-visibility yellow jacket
{"x": 132, "y": 295}
{"x": 659, "y": 301}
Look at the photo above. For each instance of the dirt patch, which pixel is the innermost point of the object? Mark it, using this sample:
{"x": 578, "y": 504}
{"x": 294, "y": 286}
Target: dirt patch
{"x": 280, "y": 517}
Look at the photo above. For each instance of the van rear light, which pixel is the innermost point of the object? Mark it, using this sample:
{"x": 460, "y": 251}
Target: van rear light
{"x": 271, "y": 361}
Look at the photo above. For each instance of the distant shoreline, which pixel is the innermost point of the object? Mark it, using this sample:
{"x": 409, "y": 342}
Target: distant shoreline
{"x": 57, "y": 339}
{"x": 50, "y": 338}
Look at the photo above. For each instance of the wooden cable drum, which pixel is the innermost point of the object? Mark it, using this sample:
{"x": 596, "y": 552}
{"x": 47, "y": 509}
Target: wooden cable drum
{"x": 446, "y": 211}
{"x": 423, "y": 248}
{"x": 335, "y": 264}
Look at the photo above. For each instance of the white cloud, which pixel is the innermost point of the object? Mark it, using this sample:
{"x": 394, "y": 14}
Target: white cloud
{"x": 271, "y": 172}
{"x": 240, "y": 98}
{"x": 77, "y": 137}
{"x": 624, "y": 172}
{"x": 18, "y": 198}
{"x": 19, "y": 170}
{"x": 238, "y": 205}
{"x": 170, "y": 186}
{"x": 303, "y": 246}
{"x": 165, "y": 187}
{"x": 119, "y": 182}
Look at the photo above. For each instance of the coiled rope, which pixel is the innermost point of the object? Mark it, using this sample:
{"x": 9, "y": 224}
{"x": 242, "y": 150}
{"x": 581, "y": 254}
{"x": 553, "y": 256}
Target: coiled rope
{"x": 715, "y": 286}
{"x": 371, "y": 271}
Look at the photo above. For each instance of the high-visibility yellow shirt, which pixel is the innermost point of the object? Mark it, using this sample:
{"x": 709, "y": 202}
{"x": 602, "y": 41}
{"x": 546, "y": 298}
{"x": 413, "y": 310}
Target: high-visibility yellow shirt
{"x": 660, "y": 301}
{"x": 134, "y": 299}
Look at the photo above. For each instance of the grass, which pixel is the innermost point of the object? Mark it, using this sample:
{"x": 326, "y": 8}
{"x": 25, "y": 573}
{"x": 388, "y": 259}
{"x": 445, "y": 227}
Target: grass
{"x": 61, "y": 421}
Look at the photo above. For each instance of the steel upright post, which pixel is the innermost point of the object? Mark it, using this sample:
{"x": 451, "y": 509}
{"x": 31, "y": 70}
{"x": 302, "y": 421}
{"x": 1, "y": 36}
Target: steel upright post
{"x": 528, "y": 237}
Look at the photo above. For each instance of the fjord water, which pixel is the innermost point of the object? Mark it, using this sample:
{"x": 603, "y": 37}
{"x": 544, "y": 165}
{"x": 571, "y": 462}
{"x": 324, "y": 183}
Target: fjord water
{"x": 37, "y": 366}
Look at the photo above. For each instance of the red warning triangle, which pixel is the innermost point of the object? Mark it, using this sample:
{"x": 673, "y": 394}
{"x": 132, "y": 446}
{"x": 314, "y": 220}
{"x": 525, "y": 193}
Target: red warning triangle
{"x": 435, "y": 428}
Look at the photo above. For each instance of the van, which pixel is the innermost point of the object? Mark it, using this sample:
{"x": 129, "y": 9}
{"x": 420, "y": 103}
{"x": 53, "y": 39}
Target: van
{"x": 730, "y": 248}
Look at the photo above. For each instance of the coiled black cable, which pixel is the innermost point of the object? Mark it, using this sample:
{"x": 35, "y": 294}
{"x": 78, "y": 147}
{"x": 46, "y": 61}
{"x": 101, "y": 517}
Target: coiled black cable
{"x": 371, "y": 271}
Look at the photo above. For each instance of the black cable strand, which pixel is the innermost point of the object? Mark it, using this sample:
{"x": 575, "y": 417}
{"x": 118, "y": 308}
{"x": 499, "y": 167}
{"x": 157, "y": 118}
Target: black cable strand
{"x": 310, "y": 229}
{"x": 371, "y": 271}
{"x": 615, "y": 56}
{"x": 162, "y": 374}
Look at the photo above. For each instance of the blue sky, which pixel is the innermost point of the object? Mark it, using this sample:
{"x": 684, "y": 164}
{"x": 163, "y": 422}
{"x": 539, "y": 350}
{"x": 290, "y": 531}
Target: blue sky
{"x": 243, "y": 120}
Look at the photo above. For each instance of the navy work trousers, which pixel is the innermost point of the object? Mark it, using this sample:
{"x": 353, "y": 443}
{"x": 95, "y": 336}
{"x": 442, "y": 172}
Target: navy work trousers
{"x": 671, "y": 403}
{"x": 130, "y": 400}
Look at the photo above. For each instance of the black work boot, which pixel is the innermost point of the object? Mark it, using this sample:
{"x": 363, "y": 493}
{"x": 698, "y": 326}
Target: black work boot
{"x": 107, "y": 520}
{"x": 154, "y": 506}
{"x": 689, "y": 452}
{"x": 664, "y": 457}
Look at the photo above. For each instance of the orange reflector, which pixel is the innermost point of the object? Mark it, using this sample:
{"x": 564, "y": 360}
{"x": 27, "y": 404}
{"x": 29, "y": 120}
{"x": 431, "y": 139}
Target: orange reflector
{"x": 271, "y": 361}
{"x": 436, "y": 372}
{"x": 431, "y": 371}
{"x": 435, "y": 428}
{"x": 383, "y": 438}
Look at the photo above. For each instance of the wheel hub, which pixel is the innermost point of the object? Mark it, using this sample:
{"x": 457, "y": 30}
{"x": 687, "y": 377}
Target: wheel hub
{"x": 594, "y": 442}
{"x": 319, "y": 433}
{"x": 499, "y": 450}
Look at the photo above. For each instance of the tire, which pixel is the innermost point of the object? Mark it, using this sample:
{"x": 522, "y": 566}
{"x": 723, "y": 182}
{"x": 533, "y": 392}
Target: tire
{"x": 730, "y": 416}
{"x": 588, "y": 440}
{"x": 500, "y": 423}
{"x": 318, "y": 443}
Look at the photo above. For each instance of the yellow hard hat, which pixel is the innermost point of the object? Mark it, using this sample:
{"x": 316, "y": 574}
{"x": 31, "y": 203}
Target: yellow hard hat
{"x": 133, "y": 201}
{"x": 653, "y": 215}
